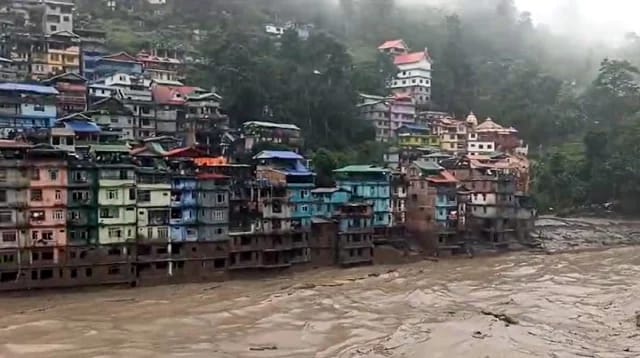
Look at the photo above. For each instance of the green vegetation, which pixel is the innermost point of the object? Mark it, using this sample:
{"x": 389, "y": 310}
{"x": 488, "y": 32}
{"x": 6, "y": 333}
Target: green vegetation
{"x": 581, "y": 121}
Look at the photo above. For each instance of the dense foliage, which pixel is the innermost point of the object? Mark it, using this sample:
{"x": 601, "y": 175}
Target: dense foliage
{"x": 580, "y": 120}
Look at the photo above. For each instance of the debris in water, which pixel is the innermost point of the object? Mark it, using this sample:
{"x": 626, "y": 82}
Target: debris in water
{"x": 479, "y": 335}
{"x": 305, "y": 286}
{"x": 263, "y": 348}
{"x": 501, "y": 316}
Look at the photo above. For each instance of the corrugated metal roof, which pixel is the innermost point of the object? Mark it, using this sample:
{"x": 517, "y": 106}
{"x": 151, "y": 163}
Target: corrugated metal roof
{"x": 23, "y": 87}
{"x": 277, "y": 154}
{"x": 362, "y": 169}
{"x": 83, "y": 127}
{"x": 271, "y": 125}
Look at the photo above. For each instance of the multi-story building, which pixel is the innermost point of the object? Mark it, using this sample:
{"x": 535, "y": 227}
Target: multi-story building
{"x": 377, "y": 110}
{"x": 47, "y": 211}
{"x": 8, "y": 72}
{"x": 414, "y": 77}
{"x": 204, "y": 118}
{"x": 82, "y": 196}
{"x": 92, "y": 49}
{"x": 184, "y": 206}
{"x": 159, "y": 65}
{"x": 370, "y": 184}
{"x": 355, "y": 233}
{"x": 63, "y": 53}
{"x": 452, "y": 134}
{"x": 213, "y": 207}
{"x": 26, "y": 106}
{"x": 57, "y": 16}
{"x": 116, "y": 194}
{"x": 254, "y": 132}
{"x": 111, "y": 112}
{"x": 446, "y": 209}
{"x": 399, "y": 188}
{"x": 15, "y": 180}
{"x": 72, "y": 89}
{"x": 153, "y": 203}
{"x": 403, "y": 112}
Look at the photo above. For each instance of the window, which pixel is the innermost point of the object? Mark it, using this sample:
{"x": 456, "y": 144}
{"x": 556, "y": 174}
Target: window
{"x": 36, "y": 195}
{"x": 115, "y": 233}
{"x": 74, "y": 215}
{"x": 47, "y": 236}
{"x": 109, "y": 213}
{"x": 132, "y": 194}
{"x": 53, "y": 28}
{"x": 305, "y": 208}
{"x": 53, "y": 174}
{"x": 6, "y": 217}
{"x": 144, "y": 196}
{"x": 304, "y": 194}
{"x": 218, "y": 215}
{"x": 163, "y": 233}
{"x": 220, "y": 199}
{"x": 112, "y": 194}
{"x": 9, "y": 236}
{"x": 3, "y": 196}
{"x": 35, "y": 174}
{"x": 65, "y": 18}
{"x": 114, "y": 120}
{"x": 58, "y": 215}
{"x": 3, "y": 175}
{"x": 58, "y": 195}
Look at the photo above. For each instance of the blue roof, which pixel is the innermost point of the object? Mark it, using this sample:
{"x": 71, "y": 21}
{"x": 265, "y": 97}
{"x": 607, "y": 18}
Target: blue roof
{"x": 83, "y": 127}
{"x": 277, "y": 154}
{"x": 23, "y": 87}
{"x": 414, "y": 127}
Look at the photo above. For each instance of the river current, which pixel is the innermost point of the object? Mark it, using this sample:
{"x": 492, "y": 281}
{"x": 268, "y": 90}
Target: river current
{"x": 567, "y": 305}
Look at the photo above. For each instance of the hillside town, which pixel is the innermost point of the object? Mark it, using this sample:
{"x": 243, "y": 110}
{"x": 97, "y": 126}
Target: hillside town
{"x": 114, "y": 170}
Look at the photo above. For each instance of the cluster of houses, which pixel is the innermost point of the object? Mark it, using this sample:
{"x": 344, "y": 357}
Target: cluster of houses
{"x": 113, "y": 171}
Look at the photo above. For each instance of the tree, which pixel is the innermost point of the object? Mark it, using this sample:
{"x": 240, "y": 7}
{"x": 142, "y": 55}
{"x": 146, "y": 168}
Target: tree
{"x": 614, "y": 95}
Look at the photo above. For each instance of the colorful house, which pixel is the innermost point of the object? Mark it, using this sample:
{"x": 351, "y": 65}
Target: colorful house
{"x": 213, "y": 207}
{"x": 371, "y": 184}
{"x": 47, "y": 211}
{"x": 416, "y": 136}
{"x": 82, "y": 222}
{"x": 27, "y": 106}
{"x": 116, "y": 194}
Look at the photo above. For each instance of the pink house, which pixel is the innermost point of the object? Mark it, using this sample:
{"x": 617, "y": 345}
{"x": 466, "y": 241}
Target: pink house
{"x": 47, "y": 211}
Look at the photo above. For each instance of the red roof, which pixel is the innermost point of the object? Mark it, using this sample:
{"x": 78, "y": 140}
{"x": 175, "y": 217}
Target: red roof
{"x": 176, "y": 95}
{"x": 444, "y": 177}
{"x": 121, "y": 56}
{"x": 393, "y": 44}
{"x": 411, "y": 58}
{"x": 186, "y": 152}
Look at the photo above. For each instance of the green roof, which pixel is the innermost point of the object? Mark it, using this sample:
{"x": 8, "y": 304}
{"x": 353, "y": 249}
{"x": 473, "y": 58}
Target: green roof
{"x": 362, "y": 169}
{"x": 113, "y": 148}
{"x": 427, "y": 166}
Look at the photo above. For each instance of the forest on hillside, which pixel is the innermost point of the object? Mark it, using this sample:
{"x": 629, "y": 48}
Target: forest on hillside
{"x": 575, "y": 102}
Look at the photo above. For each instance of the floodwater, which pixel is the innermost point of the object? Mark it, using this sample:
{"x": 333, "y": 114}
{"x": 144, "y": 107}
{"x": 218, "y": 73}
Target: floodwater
{"x": 567, "y": 305}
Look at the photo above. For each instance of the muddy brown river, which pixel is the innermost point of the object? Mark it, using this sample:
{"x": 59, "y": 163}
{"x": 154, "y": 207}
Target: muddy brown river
{"x": 567, "y": 305}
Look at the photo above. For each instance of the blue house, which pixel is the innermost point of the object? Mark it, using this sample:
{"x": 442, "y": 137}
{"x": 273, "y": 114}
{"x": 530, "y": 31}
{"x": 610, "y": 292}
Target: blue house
{"x": 184, "y": 208}
{"x": 328, "y": 201}
{"x": 292, "y": 182}
{"x": 371, "y": 184}
{"x": 27, "y": 106}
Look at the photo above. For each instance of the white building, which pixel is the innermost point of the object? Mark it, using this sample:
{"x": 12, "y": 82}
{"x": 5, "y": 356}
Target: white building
{"x": 414, "y": 76}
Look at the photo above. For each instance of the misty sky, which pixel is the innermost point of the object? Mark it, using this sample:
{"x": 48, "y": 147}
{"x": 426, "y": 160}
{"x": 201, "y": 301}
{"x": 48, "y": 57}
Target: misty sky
{"x": 586, "y": 17}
